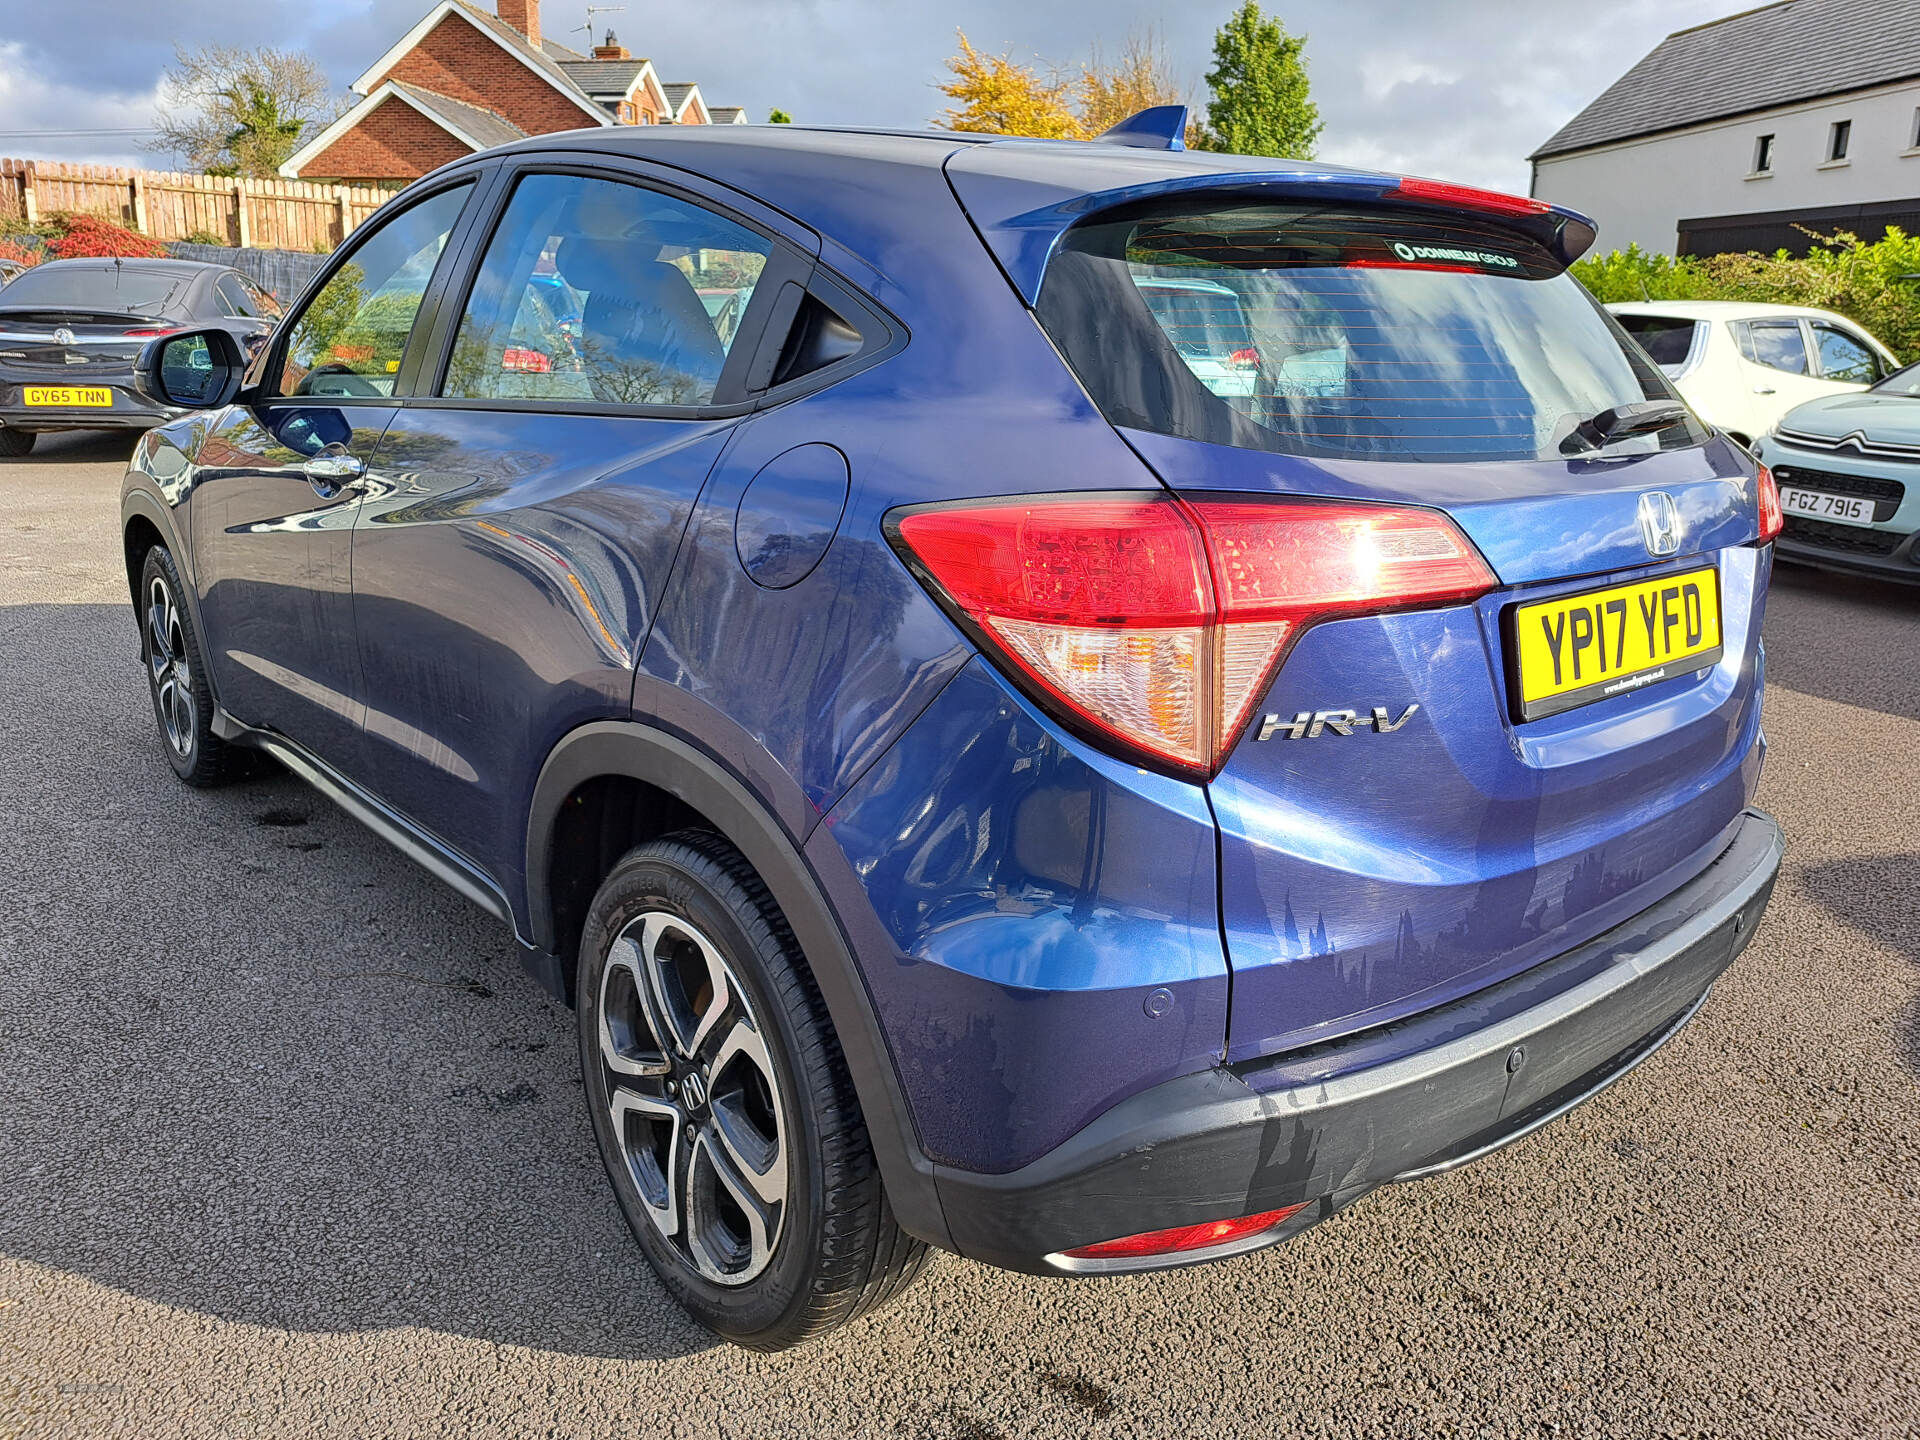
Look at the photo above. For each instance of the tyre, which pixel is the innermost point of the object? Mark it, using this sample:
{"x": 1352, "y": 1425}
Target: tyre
{"x": 177, "y": 679}
{"x": 15, "y": 443}
{"x": 722, "y": 1104}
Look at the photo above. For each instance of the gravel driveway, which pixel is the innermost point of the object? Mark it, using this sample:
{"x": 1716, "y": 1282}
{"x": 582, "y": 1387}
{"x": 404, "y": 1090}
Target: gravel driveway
{"x": 290, "y": 1146}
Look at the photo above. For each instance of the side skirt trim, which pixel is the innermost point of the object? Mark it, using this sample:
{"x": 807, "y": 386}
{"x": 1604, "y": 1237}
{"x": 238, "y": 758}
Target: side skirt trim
{"x": 388, "y": 824}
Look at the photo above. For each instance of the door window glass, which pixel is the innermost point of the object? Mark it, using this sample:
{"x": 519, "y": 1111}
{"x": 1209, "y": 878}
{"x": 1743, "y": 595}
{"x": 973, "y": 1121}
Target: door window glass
{"x": 263, "y": 302}
{"x": 1776, "y": 344}
{"x": 598, "y": 291}
{"x": 233, "y": 299}
{"x": 350, "y": 338}
{"x": 1845, "y": 357}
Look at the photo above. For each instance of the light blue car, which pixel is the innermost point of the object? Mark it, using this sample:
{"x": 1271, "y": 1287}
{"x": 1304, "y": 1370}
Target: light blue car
{"x": 1848, "y": 468}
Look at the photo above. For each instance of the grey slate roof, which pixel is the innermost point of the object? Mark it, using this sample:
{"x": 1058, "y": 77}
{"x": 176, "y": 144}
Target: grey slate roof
{"x": 677, "y": 97}
{"x": 727, "y": 114}
{"x": 1777, "y": 55}
{"x": 470, "y": 120}
{"x": 603, "y": 79}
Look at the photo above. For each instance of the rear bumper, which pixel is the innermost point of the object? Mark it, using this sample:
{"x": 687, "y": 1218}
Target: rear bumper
{"x": 1321, "y": 1128}
{"x": 129, "y": 411}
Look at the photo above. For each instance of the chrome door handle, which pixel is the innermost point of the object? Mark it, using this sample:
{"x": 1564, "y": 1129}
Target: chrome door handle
{"x": 334, "y": 470}
{"x": 1763, "y": 390}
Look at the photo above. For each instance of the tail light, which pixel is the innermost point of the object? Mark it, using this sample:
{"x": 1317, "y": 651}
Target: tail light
{"x": 1184, "y": 1238}
{"x": 1772, "y": 518}
{"x": 1248, "y": 359}
{"x": 1153, "y": 624}
{"x": 149, "y": 333}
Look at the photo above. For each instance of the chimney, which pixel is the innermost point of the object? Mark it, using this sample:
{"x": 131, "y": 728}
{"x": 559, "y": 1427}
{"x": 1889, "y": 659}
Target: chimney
{"x": 612, "y": 49}
{"x": 522, "y": 15}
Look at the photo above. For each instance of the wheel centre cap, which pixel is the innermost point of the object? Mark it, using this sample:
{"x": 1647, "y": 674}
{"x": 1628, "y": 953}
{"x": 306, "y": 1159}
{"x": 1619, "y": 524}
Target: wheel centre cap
{"x": 693, "y": 1090}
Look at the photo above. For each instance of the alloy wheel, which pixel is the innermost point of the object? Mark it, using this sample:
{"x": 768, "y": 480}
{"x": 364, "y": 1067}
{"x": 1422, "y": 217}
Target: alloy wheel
{"x": 168, "y": 667}
{"x": 694, "y": 1098}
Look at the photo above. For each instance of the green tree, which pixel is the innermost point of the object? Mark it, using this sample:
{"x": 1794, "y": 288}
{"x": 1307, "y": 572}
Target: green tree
{"x": 1261, "y": 104}
{"x": 240, "y": 112}
{"x": 777, "y": 116}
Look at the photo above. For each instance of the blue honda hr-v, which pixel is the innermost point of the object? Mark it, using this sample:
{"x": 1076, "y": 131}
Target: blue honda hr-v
{"x": 1127, "y": 700}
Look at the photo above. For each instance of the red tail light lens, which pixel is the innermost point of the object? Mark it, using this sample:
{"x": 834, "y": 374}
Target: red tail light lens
{"x": 1772, "y": 518}
{"x": 1248, "y": 359}
{"x": 1183, "y": 1238}
{"x": 1466, "y": 197}
{"x": 148, "y": 334}
{"x": 1157, "y": 622}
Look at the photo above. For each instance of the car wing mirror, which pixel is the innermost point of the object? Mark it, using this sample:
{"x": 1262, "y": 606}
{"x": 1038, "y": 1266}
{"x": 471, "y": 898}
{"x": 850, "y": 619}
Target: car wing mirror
{"x": 192, "y": 369}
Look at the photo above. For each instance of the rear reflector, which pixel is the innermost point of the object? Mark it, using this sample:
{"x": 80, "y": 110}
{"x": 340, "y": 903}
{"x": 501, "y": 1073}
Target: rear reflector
{"x": 1183, "y": 1238}
{"x": 1156, "y": 622}
{"x": 1772, "y": 518}
{"x": 1465, "y": 197}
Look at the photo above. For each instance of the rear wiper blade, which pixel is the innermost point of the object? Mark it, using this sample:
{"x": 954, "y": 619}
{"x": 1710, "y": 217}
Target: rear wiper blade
{"x": 1640, "y": 417}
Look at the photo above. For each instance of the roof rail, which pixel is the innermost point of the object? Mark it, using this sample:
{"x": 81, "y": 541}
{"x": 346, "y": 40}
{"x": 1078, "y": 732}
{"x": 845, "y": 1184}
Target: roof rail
{"x": 1162, "y": 127}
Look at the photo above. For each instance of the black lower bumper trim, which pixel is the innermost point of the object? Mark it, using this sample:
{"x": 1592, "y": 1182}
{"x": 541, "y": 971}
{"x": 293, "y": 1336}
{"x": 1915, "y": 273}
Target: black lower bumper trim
{"x": 1208, "y": 1145}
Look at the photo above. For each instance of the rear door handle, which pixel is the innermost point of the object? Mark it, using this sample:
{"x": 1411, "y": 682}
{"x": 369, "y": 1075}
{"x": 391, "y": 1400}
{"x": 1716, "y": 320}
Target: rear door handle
{"x": 1763, "y": 390}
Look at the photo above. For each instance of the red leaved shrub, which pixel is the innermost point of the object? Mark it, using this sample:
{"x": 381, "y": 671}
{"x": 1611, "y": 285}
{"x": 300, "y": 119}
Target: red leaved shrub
{"x": 18, "y": 253}
{"x": 90, "y": 236}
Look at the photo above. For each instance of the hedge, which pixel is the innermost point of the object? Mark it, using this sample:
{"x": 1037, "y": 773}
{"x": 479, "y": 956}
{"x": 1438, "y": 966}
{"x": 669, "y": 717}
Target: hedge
{"x": 1842, "y": 273}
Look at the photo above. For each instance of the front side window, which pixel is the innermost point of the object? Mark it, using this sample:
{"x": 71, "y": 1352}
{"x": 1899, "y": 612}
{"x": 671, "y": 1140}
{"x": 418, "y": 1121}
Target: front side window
{"x": 598, "y": 291}
{"x": 350, "y": 338}
{"x": 1776, "y": 344}
{"x": 1845, "y": 357}
{"x": 1338, "y": 331}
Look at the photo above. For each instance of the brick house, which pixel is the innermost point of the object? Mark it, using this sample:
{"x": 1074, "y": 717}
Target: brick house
{"x": 463, "y": 80}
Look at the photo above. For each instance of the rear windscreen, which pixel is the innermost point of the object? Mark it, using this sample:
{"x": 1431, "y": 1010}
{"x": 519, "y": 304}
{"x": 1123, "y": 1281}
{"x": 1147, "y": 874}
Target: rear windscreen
{"x": 1341, "y": 332}
{"x": 107, "y": 287}
{"x": 1666, "y": 340}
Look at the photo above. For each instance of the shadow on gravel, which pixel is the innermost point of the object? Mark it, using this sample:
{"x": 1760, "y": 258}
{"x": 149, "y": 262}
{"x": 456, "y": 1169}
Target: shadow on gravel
{"x": 257, "y": 1066}
{"x": 1879, "y": 896}
{"x": 1844, "y": 638}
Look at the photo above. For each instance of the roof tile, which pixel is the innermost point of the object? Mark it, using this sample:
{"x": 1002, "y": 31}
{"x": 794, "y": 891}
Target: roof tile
{"x": 1777, "y": 55}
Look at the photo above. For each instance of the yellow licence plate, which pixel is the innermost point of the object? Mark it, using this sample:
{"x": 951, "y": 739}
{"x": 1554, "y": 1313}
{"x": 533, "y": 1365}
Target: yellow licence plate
{"x": 87, "y": 397}
{"x": 1581, "y": 648}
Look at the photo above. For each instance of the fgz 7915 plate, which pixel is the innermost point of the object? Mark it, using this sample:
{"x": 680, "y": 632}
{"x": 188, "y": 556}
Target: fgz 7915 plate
{"x": 1580, "y": 648}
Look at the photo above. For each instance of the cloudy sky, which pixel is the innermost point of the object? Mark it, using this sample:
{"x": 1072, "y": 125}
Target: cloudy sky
{"x": 1461, "y": 89}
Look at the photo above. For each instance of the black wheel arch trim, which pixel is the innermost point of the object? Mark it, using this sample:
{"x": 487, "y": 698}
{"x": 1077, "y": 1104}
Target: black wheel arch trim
{"x": 137, "y": 501}
{"x": 655, "y": 757}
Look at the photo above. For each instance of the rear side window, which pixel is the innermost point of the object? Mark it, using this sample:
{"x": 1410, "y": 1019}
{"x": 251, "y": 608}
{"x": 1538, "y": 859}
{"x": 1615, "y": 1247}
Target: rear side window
{"x": 1364, "y": 333}
{"x": 1667, "y": 340}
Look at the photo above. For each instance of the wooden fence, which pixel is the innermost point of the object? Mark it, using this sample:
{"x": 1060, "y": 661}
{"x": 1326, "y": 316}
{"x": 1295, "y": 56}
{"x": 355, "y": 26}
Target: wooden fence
{"x": 169, "y": 205}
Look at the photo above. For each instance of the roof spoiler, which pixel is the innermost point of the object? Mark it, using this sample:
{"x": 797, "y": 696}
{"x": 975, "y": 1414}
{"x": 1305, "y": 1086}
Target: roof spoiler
{"x": 1160, "y": 127}
{"x": 1023, "y": 239}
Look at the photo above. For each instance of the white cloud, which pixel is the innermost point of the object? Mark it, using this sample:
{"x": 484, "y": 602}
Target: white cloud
{"x": 47, "y": 119}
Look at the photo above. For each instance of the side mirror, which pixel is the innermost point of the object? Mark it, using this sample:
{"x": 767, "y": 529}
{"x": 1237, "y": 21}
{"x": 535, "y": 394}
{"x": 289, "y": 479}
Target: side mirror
{"x": 193, "y": 370}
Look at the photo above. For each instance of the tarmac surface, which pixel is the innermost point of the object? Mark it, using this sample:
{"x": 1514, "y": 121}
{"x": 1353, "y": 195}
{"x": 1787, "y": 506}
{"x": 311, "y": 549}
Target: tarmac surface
{"x": 290, "y": 1146}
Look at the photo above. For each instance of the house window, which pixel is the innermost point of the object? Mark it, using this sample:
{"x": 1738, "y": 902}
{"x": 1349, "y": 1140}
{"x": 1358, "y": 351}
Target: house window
{"x": 1763, "y": 155}
{"x": 1913, "y": 135}
{"x": 1838, "y": 136}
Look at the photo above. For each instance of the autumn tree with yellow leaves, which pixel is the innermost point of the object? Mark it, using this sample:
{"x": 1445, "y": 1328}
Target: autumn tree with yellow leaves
{"x": 1000, "y": 96}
